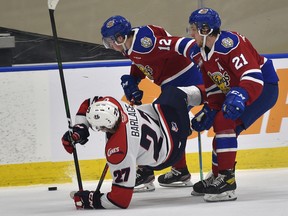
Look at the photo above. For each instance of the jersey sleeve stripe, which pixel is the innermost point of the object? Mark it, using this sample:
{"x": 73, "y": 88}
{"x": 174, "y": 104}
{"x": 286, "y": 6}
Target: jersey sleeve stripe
{"x": 254, "y": 75}
{"x": 214, "y": 89}
{"x": 187, "y": 46}
{"x": 177, "y": 46}
{"x": 253, "y": 80}
{"x": 214, "y": 92}
{"x": 182, "y": 45}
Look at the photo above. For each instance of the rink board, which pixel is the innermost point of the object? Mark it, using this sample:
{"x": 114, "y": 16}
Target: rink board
{"x": 35, "y": 120}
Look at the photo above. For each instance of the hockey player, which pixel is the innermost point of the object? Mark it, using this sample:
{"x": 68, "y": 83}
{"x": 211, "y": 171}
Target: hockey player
{"x": 152, "y": 135}
{"x": 240, "y": 86}
{"x": 143, "y": 46}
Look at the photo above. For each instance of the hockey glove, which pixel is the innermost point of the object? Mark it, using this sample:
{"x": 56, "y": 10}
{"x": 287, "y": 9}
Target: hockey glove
{"x": 204, "y": 119}
{"x": 87, "y": 200}
{"x": 234, "y": 104}
{"x": 80, "y": 134}
{"x": 131, "y": 90}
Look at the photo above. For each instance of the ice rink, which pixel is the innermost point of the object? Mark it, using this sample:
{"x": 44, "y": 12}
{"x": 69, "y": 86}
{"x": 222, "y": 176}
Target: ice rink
{"x": 260, "y": 193}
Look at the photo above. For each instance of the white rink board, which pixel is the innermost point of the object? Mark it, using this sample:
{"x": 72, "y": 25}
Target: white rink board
{"x": 33, "y": 117}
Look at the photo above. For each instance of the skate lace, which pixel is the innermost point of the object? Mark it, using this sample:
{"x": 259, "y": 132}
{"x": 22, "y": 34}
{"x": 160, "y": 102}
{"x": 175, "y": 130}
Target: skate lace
{"x": 171, "y": 173}
{"x": 138, "y": 173}
{"x": 218, "y": 181}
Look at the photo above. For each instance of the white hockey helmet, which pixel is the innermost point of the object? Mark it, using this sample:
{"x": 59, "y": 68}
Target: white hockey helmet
{"x": 102, "y": 115}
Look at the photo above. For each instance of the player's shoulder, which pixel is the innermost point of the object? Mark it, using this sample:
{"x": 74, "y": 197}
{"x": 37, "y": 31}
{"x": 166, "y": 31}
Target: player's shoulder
{"x": 117, "y": 146}
{"x": 227, "y": 42}
{"x": 144, "y": 39}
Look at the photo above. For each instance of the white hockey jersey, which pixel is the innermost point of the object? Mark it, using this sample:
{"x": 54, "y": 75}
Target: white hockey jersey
{"x": 148, "y": 135}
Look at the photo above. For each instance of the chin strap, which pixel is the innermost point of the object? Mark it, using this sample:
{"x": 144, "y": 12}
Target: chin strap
{"x": 123, "y": 43}
{"x": 204, "y": 37}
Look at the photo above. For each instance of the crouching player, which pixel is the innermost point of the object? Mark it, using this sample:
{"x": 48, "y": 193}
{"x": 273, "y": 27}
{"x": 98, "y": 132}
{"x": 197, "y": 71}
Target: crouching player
{"x": 152, "y": 135}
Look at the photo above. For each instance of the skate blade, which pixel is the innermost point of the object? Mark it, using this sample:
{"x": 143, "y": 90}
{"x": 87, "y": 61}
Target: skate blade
{"x": 144, "y": 188}
{"x": 225, "y": 196}
{"x": 194, "y": 193}
{"x": 178, "y": 184}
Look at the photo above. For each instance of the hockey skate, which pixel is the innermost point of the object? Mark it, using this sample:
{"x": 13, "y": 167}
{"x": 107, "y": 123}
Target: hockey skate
{"x": 176, "y": 178}
{"x": 144, "y": 180}
{"x": 222, "y": 188}
{"x": 200, "y": 187}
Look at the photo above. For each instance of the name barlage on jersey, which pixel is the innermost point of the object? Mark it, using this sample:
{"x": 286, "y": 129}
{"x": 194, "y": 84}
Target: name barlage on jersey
{"x": 133, "y": 120}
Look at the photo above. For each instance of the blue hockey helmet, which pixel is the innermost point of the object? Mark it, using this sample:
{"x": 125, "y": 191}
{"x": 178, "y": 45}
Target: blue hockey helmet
{"x": 114, "y": 27}
{"x": 205, "y": 17}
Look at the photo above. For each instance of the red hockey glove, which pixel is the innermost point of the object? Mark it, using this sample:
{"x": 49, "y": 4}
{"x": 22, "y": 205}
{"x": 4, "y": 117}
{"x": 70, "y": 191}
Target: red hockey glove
{"x": 80, "y": 134}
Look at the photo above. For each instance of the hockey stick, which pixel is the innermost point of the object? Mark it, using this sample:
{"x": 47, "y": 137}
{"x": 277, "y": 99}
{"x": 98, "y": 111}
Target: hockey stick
{"x": 52, "y": 6}
{"x": 102, "y": 178}
{"x": 104, "y": 172}
{"x": 200, "y": 156}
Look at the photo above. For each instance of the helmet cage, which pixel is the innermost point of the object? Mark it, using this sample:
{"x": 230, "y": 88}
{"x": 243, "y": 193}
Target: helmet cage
{"x": 108, "y": 41}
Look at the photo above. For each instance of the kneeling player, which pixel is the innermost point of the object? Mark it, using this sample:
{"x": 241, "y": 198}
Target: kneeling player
{"x": 152, "y": 135}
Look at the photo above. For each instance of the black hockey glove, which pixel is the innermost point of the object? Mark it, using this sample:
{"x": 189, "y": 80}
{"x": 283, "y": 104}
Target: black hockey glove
{"x": 87, "y": 200}
{"x": 80, "y": 134}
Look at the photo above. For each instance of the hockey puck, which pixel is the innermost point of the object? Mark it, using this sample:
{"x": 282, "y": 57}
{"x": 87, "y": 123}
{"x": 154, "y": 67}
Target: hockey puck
{"x": 52, "y": 188}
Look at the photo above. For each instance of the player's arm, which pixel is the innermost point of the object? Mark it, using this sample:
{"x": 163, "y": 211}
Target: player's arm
{"x": 184, "y": 46}
{"x": 130, "y": 87}
{"x": 122, "y": 167}
{"x": 137, "y": 73}
{"x": 118, "y": 198}
{"x": 181, "y": 45}
{"x": 245, "y": 66}
{"x": 121, "y": 192}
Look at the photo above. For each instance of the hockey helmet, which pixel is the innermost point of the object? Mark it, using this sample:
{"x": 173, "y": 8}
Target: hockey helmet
{"x": 114, "y": 27}
{"x": 102, "y": 115}
{"x": 205, "y": 18}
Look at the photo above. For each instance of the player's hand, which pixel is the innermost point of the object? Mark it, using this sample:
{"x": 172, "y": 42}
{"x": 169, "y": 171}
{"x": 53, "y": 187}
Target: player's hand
{"x": 234, "y": 104}
{"x": 87, "y": 200}
{"x": 131, "y": 90}
{"x": 80, "y": 134}
{"x": 84, "y": 199}
{"x": 204, "y": 119}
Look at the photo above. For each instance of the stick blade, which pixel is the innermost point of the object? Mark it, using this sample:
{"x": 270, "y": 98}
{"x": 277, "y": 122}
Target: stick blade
{"x": 52, "y": 4}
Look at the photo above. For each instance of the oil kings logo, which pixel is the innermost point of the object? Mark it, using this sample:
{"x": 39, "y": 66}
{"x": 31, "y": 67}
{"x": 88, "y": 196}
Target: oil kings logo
{"x": 113, "y": 151}
{"x": 227, "y": 42}
{"x": 146, "y": 42}
{"x": 221, "y": 80}
{"x": 147, "y": 70}
{"x": 110, "y": 23}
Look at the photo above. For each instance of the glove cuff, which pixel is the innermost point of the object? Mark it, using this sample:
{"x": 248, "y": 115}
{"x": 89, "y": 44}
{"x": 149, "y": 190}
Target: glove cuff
{"x": 240, "y": 92}
{"x": 97, "y": 200}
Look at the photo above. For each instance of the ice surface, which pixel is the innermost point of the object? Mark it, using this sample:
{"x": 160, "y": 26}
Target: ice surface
{"x": 260, "y": 193}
